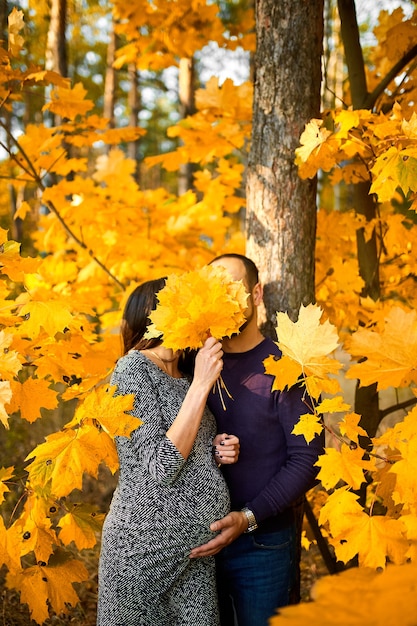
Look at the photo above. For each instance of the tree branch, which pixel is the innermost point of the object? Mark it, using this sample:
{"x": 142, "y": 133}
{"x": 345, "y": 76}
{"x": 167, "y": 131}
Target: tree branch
{"x": 31, "y": 171}
{"x": 397, "y": 407}
{"x": 394, "y": 71}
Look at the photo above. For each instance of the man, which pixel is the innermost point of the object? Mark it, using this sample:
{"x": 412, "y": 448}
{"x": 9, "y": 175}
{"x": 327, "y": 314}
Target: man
{"x": 256, "y": 547}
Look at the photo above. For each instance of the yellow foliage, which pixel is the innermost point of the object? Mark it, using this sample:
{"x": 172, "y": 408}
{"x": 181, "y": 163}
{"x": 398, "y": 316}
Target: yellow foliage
{"x": 374, "y": 599}
{"x": 51, "y": 582}
{"x": 390, "y": 348}
{"x": 193, "y": 306}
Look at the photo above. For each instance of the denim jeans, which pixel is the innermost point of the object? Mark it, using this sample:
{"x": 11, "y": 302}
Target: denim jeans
{"x": 255, "y": 575}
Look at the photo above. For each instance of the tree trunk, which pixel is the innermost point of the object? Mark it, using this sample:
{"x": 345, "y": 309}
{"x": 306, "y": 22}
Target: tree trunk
{"x": 186, "y": 89}
{"x": 281, "y": 208}
{"x": 56, "y": 49}
{"x": 366, "y": 398}
{"x": 110, "y": 81}
{"x": 134, "y": 102}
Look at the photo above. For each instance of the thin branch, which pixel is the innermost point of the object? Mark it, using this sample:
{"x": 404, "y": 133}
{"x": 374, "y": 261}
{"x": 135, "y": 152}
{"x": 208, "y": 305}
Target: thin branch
{"x": 394, "y": 71}
{"x": 38, "y": 180}
{"x": 398, "y": 407}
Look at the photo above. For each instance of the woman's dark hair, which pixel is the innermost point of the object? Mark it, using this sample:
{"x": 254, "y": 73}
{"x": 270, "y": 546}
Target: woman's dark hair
{"x": 138, "y": 307}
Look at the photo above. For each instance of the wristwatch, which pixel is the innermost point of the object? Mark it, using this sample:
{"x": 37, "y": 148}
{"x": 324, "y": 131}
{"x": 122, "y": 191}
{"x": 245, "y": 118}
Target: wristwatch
{"x": 252, "y": 523}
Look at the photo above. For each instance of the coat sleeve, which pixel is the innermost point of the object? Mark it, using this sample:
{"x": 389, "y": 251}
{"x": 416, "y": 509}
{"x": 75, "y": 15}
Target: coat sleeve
{"x": 148, "y": 443}
{"x": 297, "y": 475}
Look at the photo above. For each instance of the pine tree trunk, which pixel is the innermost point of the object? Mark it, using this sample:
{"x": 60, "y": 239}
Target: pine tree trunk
{"x": 281, "y": 208}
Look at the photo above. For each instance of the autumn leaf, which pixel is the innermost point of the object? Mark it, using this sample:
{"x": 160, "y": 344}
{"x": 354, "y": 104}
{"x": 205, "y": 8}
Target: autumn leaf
{"x": 349, "y": 427}
{"x": 390, "y": 593}
{"x": 5, "y": 474}
{"x": 309, "y": 426}
{"x": 373, "y": 538}
{"x": 14, "y": 265}
{"x": 16, "y": 24}
{"x": 346, "y": 465}
{"x": 53, "y": 583}
{"x": 9, "y": 362}
{"x": 285, "y": 370}
{"x": 53, "y": 317}
{"x": 30, "y": 396}
{"x": 390, "y": 348}
{"x": 110, "y": 411}
{"x": 69, "y": 102}
{"x": 311, "y": 138}
{"x": 81, "y": 524}
{"x": 37, "y": 535}
{"x": 197, "y": 304}
{"x": 307, "y": 342}
{"x": 5, "y": 397}
{"x": 333, "y": 405}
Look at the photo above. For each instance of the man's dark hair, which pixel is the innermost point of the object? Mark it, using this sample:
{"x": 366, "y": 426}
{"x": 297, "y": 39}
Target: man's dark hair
{"x": 252, "y": 272}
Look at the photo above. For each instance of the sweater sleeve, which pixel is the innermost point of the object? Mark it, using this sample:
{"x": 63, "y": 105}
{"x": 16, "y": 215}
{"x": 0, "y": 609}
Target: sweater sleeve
{"x": 298, "y": 473}
{"x": 149, "y": 443}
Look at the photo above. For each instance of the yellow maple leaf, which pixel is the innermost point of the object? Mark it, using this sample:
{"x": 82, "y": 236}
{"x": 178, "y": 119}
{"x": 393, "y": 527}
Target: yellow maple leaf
{"x": 5, "y": 474}
{"x": 22, "y": 211}
{"x": 391, "y": 594}
{"x": 16, "y": 24}
{"x": 109, "y": 410}
{"x": 53, "y": 317}
{"x": 346, "y": 465}
{"x": 309, "y": 426}
{"x": 14, "y": 265}
{"x": 9, "y": 362}
{"x": 81, "y": 524}
{"x": 311, "y": 138}
{"x": 333, "y": 405}
{"x": 69, "y": 102}
{"x": 53, "y": 582}
{"x": 5, "y": 397}
{"x": 285, "y": 370}
{"x": 36, "y": 535}
{"x": 30, "y": 396}
{"x": 307, "y": 343}
{"x": 349, "y": 427}
{"x": 390, "y": 350}
{"x": 373, "y": 538}
{"x": 197, "y": 304}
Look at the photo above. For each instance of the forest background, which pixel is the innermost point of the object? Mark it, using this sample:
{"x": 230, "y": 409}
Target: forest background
{"x": 124, "y": 156}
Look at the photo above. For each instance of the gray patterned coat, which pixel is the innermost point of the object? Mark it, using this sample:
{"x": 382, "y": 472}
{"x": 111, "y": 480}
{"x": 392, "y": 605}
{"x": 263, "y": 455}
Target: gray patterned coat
{"x": 162, "y": 507}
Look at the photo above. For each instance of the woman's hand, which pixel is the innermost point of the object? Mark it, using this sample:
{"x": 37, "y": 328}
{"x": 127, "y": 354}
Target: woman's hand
{"x": 226, "y": 449}
{"x": 208, "y": 364}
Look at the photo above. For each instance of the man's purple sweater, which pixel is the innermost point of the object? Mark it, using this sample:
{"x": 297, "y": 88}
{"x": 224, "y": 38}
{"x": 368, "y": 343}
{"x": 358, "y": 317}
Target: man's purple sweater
{"x": 274, "y": 467}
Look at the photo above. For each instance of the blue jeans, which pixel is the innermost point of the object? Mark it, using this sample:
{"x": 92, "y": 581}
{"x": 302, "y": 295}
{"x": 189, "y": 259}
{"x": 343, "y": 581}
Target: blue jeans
{"x": 255, "y": 575}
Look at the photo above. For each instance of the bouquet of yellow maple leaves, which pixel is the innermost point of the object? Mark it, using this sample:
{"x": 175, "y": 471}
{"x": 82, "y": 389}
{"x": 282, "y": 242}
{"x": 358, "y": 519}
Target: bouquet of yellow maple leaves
{"x": 197, "y": 304}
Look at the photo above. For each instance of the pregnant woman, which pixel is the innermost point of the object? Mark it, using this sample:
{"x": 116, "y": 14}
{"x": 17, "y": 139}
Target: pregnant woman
{"x": 169, "y": 489}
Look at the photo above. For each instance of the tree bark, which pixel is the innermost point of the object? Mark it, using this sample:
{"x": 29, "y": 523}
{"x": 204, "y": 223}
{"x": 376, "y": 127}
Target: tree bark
{"x": 56, "y": 49}
{"x": 186, "y": 90}
{"x": 281, "y": 208}
{"x": 110, "y": 81}
{"x": 366, "y": 398}
{"x": 134, "y": 103}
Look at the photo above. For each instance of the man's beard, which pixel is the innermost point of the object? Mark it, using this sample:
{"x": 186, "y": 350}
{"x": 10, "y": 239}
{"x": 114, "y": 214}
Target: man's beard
{"x": 245, "y": 323}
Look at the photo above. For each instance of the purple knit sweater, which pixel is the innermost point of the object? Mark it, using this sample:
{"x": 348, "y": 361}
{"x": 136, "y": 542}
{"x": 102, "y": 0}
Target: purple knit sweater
{"x": 274, "y": 467}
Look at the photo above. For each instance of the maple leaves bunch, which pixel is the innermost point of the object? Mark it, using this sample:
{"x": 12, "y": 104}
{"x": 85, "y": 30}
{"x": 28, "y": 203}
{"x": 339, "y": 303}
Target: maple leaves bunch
{"x": 383, "y": 530}
{"x": 197, "y": 304}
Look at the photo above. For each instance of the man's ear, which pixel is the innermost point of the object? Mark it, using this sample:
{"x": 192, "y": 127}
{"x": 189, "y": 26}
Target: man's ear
{"x": 258, "y": 294}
